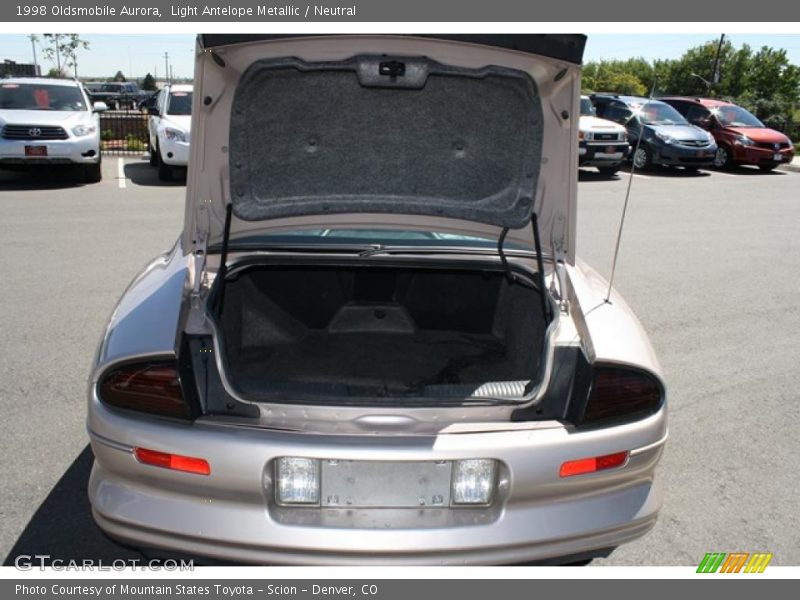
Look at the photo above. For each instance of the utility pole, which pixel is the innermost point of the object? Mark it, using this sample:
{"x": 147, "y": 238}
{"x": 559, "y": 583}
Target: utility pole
{"x": 33, "y": 46}
{"x": 715, "y": 72}
{"x": 166, "y": 66}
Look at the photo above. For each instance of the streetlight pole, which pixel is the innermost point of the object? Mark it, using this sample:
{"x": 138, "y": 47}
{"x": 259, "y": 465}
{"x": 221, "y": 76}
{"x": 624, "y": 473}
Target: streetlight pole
{"x": 33, "y": 47}
{"x": 715, "y": 73}
{"x": 705, "y": 81}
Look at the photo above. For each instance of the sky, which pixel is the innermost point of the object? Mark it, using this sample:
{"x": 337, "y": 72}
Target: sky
{"x": 137, "y": 54}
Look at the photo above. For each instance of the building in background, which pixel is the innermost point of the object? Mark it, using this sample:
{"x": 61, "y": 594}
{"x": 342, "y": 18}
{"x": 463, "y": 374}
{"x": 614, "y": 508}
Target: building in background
{"x": 9, "y": 68}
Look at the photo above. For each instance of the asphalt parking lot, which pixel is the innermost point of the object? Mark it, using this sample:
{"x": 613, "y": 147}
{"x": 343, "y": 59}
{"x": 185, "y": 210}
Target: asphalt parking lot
{"x": 709, "y": 262}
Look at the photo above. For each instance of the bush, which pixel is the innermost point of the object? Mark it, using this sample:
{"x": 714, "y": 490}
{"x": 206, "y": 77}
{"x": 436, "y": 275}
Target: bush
{"x": 106, "y": 134}
{"x": 134, "y": 143}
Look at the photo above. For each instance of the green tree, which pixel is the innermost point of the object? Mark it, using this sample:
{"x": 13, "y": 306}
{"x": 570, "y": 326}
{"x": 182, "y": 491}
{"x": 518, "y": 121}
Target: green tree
{"x": 764, "y": 81}
{"x": 612, "y": 76}
{"x": 62, "y": 49}
{"x": 119, "y": 76}
{"x": 149, "y": 83}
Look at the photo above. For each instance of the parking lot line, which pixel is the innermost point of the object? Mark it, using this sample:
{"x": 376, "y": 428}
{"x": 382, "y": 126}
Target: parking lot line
{"x": 121, "y": 172}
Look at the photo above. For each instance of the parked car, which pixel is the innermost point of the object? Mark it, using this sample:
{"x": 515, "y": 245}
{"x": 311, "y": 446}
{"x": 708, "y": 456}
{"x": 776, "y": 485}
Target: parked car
{"x": 373, "y": 341}
{"x": 149, "y": 101}
{"x": 168, "y": 129}
{"x": 741, "y": 138}
{"x": 601, "y": 143}
{"x": 119, "y": 95}
{"x": 667, "y": 139}
{"x": 45, "y": 122}
{"x": 93, "y": 86}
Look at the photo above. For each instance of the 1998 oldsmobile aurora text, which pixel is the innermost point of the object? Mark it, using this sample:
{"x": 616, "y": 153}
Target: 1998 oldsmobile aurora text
{"x": 190, "y": 10}
{"x": 373, "y": 342}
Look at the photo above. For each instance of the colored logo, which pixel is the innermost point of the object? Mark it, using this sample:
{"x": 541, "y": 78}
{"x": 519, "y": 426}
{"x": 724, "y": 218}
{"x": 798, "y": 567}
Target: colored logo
{"x": 734, "y": 562}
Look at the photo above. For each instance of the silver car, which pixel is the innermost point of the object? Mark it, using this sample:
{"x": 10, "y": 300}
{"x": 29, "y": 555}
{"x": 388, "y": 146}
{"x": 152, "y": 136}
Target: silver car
{"x": 373, "y": 342}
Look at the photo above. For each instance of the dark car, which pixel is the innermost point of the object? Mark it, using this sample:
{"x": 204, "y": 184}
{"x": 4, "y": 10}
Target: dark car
{"x": 741, "y": 138}
{"x": 118, "y": 95}
{"x": 659, "y": 134}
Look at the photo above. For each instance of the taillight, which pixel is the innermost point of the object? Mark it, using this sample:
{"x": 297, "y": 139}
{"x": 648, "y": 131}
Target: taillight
{"x": 150, "y": 387}
{"x": 618, "y": 393}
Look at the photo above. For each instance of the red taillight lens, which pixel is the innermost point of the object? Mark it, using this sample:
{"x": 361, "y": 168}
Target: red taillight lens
{"x": 618, "y": 392}
{"x": 176, "y": 462}
{"x": 591, "y": 465}
{"x": 152, "y": 387}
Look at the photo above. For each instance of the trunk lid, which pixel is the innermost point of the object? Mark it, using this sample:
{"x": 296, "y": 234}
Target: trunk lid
{"x": 467, "y": 135}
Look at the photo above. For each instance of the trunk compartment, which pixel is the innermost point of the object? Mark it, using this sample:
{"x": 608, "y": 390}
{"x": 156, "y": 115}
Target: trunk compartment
{"x": 379, "y": 332}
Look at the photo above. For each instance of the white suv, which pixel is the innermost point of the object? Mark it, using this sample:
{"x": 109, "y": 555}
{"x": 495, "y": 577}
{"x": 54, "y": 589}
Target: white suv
{"x": 168, "y": 129}
{"x": 601, "y": 143}
{"x": 49, "y": 122}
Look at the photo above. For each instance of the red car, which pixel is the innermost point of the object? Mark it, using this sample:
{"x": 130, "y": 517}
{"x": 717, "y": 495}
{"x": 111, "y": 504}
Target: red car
{"x": 741, "y": 138}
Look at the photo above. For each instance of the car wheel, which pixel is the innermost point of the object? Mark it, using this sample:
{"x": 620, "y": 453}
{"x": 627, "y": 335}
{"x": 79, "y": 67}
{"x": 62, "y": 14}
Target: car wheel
{"x": 93, "y": 173}
{"x": 642, "y": 158}
{"x": 153, "y": 155}
{"x": 767, "y": 168}
{"x": 164, "y": 170}
{"x": 722, "y": 159}
{"x": 608, "y": 171}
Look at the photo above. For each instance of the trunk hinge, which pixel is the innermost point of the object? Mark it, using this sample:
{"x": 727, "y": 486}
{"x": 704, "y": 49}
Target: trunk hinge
{"x": 512, "y": 278}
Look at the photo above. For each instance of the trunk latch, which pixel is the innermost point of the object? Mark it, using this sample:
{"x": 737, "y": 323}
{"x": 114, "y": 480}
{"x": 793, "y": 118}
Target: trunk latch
{"x": 392, "y": 68}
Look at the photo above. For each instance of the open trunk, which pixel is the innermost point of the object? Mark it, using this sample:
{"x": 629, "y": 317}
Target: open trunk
{"x": 380, "y": 332}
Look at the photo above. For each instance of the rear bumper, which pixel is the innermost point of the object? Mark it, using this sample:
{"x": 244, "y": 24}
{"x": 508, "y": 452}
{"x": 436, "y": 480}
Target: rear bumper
{"x": 601, "y": 154}
{"x": 231, "y": 514}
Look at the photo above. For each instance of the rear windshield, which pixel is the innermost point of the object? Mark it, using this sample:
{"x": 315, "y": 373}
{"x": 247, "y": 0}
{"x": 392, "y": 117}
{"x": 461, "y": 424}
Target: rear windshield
{"x": 180, "y": 103}
{"x": 658, "y": 113}
{"x": 736, "y": 116}
{"x": 41, "y": 96}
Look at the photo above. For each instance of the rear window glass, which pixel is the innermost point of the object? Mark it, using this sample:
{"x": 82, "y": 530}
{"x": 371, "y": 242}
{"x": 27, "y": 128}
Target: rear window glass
{"x": 180, "y": 103}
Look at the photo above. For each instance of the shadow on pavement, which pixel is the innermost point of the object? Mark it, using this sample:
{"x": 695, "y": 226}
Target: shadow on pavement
{"x": 589, "y": 174}
{"x": 141, "y": 173}
{"x": 62, "y": 527}
{"x": 46, "y": 178}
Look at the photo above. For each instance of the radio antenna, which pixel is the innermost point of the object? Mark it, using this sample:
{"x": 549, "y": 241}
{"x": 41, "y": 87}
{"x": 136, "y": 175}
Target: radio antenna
{"x": 627, "y": 197}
